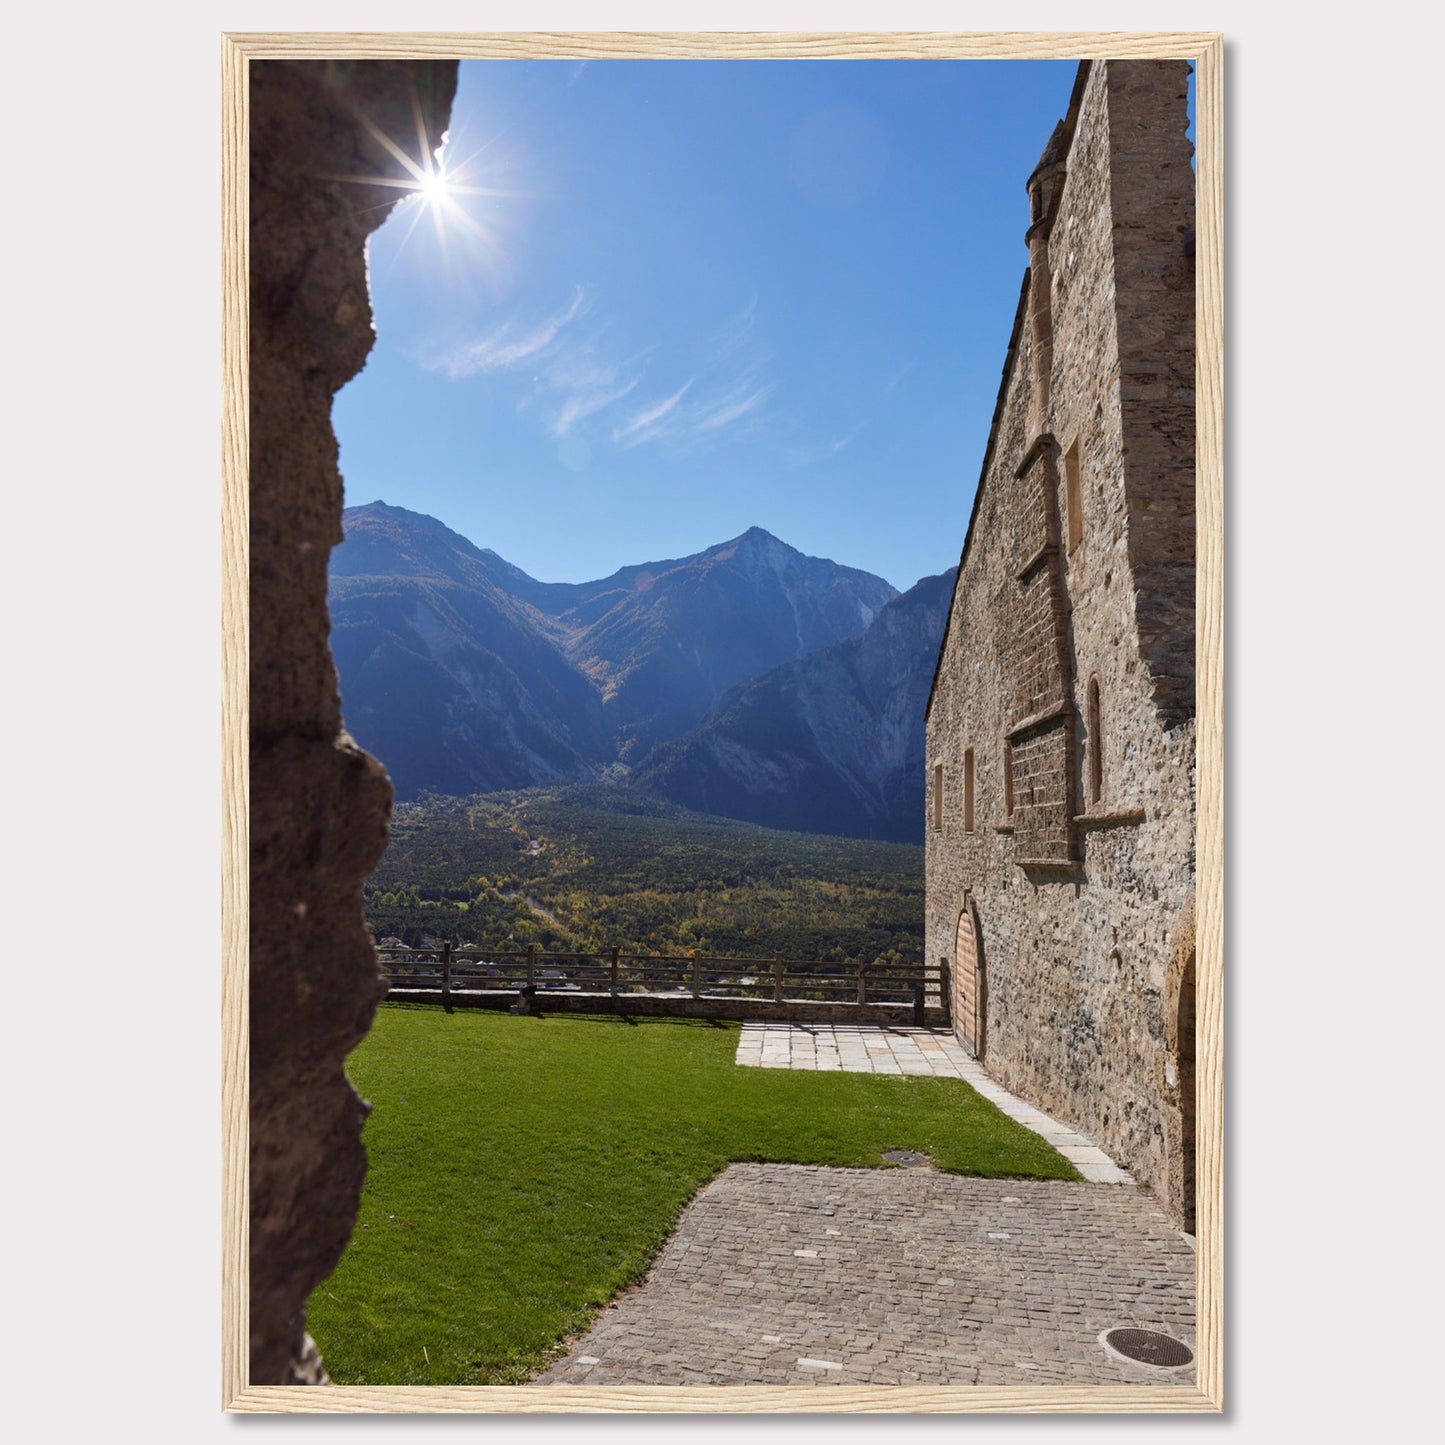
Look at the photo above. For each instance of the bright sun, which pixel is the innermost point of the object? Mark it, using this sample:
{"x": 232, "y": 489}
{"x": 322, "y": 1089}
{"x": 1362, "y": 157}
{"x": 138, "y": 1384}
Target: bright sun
{"x": 436, "y": 191}
{"x": 433, "y": 186}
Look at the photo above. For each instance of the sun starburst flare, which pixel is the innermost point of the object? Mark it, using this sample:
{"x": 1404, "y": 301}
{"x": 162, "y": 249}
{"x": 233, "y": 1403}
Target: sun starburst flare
{"x": 444, "y": 193}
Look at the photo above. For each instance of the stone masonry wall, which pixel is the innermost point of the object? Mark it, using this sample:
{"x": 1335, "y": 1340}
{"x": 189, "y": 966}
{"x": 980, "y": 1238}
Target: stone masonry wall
{"x": 1084, "y": 906}
{"x": 1152, "y": 192}
{"x": 319, "y": 805}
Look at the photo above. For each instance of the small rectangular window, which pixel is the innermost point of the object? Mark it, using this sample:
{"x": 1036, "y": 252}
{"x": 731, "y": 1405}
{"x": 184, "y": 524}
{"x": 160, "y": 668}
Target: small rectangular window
{"x": 968, "y": 791}
{"x": 938, "y": 795}
{"x": 1008, "y": 779}
{"x": 1094, "y": 742}
{"x": 1073, "y": 498}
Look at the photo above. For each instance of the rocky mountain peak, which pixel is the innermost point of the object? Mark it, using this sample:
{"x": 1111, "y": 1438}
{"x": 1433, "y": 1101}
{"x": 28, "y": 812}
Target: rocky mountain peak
{"x": 464, "y": 674}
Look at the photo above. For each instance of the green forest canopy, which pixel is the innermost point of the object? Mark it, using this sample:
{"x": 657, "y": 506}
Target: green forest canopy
{"x": 581, "y": 869}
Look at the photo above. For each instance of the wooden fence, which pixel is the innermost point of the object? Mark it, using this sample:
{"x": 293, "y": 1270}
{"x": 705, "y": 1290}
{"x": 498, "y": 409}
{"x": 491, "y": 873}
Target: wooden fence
{"x": 759, "y": 986}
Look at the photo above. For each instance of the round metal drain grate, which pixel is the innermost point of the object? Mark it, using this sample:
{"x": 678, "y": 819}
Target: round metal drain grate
{"x": 1149, "y": 1347}
{"x": 908, "y": 1158}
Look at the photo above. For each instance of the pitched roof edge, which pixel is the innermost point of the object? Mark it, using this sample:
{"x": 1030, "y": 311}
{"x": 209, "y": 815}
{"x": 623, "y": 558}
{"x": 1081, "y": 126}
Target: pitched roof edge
{"x": 1008, "y": 366}
{"x": 1070, "y": 125}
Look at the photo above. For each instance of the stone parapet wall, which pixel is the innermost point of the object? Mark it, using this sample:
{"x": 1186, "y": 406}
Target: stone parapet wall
{"x": 1084, "y": 902}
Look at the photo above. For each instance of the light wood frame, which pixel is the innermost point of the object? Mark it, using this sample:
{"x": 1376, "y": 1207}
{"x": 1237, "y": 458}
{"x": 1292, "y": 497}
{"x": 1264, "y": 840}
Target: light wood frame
{"x": 1207, "y": 51}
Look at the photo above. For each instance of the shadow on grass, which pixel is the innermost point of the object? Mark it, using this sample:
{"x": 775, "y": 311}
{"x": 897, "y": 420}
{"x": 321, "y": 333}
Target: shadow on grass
{"x": 633, "y": 1021}
{"x": 544, "y": 1013}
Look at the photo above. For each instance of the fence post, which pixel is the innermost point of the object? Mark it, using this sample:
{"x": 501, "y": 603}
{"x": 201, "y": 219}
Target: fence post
{"x": 447, "y": 976}
{"x": 777, "y": 978}
{"x": 532, "y": 964}
{"x": 616, "y": 951}
{"x": 696, "y": 965}
{"x": 862, "y": 985}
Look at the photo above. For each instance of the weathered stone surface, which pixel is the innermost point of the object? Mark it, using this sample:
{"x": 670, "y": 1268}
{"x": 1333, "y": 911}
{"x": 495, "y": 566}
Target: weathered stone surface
{"x": 319, "y": 805}
{"x": 1068, "y": 666}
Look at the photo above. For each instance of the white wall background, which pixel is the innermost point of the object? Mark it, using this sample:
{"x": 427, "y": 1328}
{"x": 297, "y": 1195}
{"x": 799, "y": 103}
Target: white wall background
{"x": 110, "y": 335}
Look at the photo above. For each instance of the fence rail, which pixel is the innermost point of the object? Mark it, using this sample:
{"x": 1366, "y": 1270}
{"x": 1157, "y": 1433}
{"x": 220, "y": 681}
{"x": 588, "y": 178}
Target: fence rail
{"x": 455, "y": 970}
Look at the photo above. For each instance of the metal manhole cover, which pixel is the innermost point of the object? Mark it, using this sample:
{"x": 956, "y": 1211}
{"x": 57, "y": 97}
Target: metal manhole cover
{"x": 908, "y": 1158}
{"x": 1149, "y": 1347}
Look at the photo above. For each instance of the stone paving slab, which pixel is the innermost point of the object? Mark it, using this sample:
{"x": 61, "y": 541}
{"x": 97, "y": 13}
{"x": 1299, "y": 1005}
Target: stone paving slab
{"x": 861, "y": 1048}
{"x": 792, "y": 1274}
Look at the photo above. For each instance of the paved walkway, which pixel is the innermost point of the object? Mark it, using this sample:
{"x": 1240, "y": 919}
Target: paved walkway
{"x": 860, "y": 1049}
{"x": 791, "y": 1274}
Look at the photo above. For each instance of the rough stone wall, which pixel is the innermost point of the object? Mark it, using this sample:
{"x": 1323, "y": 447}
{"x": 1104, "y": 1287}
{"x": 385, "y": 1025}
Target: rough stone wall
{"x": 319, "y": 805}
{"x": 1149, "y": 176}
{"x": 1040, "y": 731}
{"x": 1085, "y": 907}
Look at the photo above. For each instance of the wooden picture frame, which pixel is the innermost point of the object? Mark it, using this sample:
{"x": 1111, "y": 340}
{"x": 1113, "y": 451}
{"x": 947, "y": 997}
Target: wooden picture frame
{"x": 1206, "y": 51}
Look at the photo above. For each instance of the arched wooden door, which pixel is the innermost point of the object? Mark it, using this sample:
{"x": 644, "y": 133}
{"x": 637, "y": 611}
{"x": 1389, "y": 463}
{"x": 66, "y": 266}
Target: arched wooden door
{"x": 968, "y": 981}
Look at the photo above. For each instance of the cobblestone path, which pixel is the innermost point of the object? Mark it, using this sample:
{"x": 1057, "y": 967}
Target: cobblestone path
{"x": 791, "y": 1274}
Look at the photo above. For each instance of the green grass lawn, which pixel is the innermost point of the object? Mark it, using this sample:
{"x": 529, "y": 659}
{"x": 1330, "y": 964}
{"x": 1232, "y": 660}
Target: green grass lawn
{"x": 522, "y": 1171}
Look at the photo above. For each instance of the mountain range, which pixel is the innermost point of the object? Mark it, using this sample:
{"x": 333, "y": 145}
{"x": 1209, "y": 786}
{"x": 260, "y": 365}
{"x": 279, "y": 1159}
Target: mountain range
{"x": 747, "y": 680}
{"x": 830, "y": 743}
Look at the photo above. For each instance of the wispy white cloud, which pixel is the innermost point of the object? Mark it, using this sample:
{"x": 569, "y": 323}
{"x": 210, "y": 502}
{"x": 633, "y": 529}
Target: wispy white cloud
{"x": 733, "y": 408}
{"x": 581, "y": 383}
{"x": 811, "y": 453}
{"x": 649, "y": 423}
{"x": 585, "y": 402}
{"x": 807, "y": 456}
{"x": 896, "y": 380}
{"x": 505, "y": 347}
{"x": 572, "y": 374}
{"x": 734, "y": 334}
{"x": 739, "y": 364}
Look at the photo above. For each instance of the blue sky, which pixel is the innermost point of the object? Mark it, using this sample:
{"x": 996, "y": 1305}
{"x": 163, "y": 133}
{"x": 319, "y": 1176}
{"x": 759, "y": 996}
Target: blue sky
{"x": 683, "y": 298}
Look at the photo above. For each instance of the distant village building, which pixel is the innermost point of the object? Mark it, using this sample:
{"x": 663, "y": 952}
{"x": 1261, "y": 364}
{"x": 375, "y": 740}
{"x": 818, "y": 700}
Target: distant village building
{"x": 1060, "y": 728}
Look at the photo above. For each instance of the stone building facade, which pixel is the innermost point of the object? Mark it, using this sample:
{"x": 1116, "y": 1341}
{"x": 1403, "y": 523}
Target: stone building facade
{"x": 1060, "y": 728}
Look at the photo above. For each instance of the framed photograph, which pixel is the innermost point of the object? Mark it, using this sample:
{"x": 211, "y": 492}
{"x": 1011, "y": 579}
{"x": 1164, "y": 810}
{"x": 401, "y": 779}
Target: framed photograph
{"x": 723, "y": 900}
